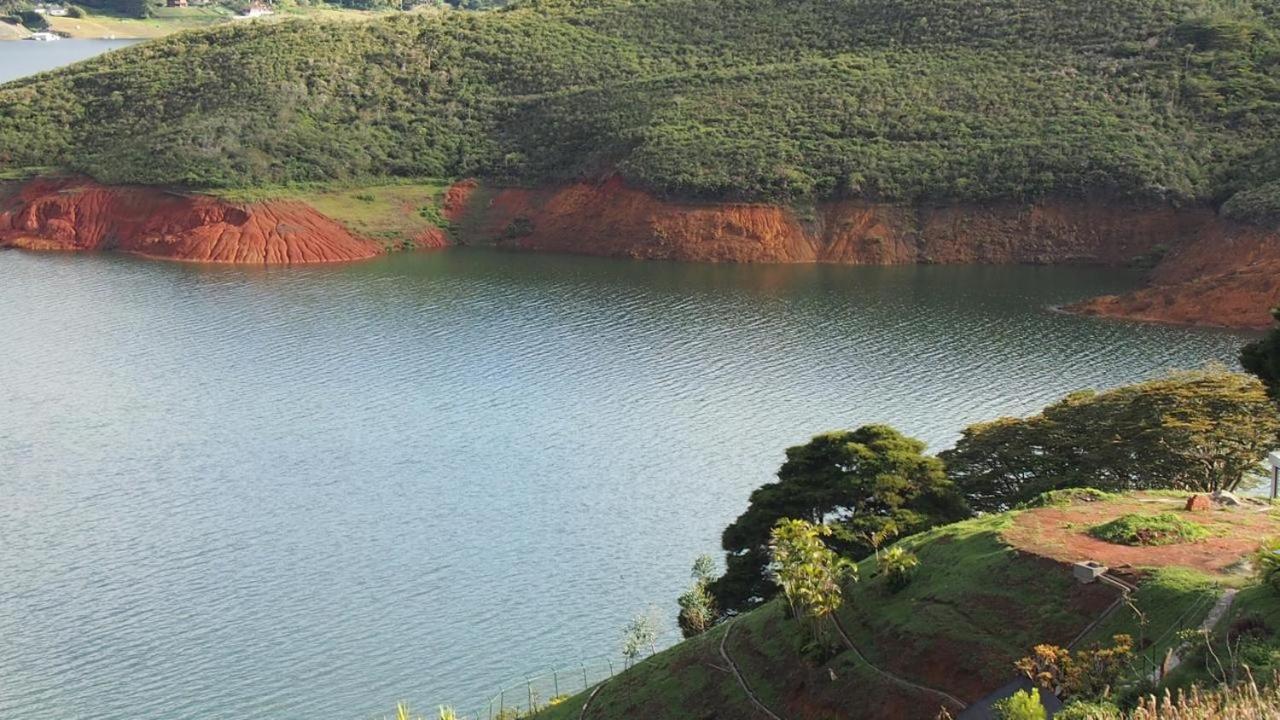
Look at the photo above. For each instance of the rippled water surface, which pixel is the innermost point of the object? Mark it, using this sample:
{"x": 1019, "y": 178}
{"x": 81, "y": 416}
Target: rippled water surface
{"x": 309, "y": 493}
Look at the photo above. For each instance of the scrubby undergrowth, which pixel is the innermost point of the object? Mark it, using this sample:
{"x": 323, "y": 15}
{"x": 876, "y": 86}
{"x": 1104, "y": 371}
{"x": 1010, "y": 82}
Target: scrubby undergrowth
{"x": 1168, "y": 100}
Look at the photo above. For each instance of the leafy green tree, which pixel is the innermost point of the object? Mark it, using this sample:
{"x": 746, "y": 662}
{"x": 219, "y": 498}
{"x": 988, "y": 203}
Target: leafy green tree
{"x": 697, "y": 607}
{"x": 1202, "y": 431}
{"x": 811, "y": 575}
{"x": 642, "y": 632}
{"x": 1262, "y": 357}
{"x": 859, "y": 482}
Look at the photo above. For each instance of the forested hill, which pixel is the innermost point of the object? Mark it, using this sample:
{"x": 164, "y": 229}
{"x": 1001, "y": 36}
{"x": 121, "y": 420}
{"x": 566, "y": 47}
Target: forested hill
{"x": 1176, "y": 100}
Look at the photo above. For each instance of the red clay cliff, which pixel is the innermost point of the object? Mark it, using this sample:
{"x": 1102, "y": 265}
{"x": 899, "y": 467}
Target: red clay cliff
{"x": 80, "y": 215}
{"x": 1212, "y": 271}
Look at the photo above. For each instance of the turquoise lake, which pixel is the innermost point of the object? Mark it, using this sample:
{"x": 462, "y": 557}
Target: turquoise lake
{"x": 313, "y": 492}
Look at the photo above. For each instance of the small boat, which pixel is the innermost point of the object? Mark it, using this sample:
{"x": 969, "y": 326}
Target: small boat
{"x": 44, "y": 36}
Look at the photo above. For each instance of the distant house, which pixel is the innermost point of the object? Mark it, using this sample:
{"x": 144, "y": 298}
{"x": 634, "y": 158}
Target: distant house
{"x": 176, "y": 3}
{"x": 51, "y": 9}
{"x": 257, "y": 9}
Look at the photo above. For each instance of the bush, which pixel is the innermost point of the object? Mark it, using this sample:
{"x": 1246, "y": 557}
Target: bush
{"x": 1266, "y": 563}
{"x": 899, "y": 566}
{"x": 1070, "y": 496}
{"x": 1081, "y": 710}
{"x": 32, "y": 20}
{"x": 1149, "y": 530}
{"x": 1022, "y": 705}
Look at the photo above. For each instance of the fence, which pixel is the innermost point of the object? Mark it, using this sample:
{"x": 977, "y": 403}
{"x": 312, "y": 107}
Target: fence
{"x": 534, "y": 692}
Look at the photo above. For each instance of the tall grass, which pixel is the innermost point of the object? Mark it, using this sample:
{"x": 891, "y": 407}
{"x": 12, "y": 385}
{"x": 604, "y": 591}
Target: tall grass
{"x": 1245, "y": 701}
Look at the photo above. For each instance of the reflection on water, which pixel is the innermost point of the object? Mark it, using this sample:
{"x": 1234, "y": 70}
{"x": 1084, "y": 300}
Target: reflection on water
{"x": 312, "y": 492}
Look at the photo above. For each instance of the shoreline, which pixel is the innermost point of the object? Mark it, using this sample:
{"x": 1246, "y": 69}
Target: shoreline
{"x": 1194, "y": 282}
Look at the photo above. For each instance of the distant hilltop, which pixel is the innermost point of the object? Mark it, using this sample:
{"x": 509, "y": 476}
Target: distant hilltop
{"x": 1035, "y": 126}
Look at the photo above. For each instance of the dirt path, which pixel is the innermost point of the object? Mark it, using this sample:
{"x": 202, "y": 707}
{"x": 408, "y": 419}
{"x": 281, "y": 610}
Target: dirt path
{"x": 946, "y": 696}
{"x": 1216, "y": 613}
{"x": 1062, "y": 533}
{"x": 737, "y": 673}
{"x": 583, "y": 714}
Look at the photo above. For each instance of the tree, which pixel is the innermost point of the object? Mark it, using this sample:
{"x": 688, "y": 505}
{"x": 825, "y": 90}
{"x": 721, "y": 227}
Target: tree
{"x": 1202, "y": 431}
{"x": 811, "y": 575}
{"x": 642, "y": 632}
{"x": 697, "y": 607}
{"x": 859, "y": 482}
{"x": 1262, "y": 357}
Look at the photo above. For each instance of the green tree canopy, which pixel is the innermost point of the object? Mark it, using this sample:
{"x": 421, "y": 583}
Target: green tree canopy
{"x": 811, "y": 575}
{"x": 856, "y": 481}
{"x": 1262, "y": 357}
{"x": 1204, "y": 431}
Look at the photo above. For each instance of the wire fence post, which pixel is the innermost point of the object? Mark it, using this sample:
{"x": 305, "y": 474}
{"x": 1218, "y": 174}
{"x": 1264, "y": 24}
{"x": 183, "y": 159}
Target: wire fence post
{"x": 555, "y": 678}
{"x": 584, "y": 676}
{"x": 528, "y": 684}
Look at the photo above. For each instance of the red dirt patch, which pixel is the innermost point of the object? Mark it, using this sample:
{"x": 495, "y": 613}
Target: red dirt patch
{"x": 82, "y": 215}
{"x": 1061, "y": 533}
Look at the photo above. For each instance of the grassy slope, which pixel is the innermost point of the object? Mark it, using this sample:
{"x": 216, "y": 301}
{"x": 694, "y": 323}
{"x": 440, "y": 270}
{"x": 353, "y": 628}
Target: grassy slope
{"x": 393, "y": 213}
{"x": 976, "y": 606}
{"x": 956, "y": 99}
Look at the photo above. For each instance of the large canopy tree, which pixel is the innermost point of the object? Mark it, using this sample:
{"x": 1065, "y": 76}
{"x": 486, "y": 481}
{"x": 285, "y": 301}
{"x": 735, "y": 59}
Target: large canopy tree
{"x": 859, "y": 482}
{"x": 1262, "y": 357}
{"x": 1203, "y": 431}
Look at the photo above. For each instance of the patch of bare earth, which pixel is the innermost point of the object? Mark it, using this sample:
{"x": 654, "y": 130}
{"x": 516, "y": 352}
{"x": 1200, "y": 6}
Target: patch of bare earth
{"x": 1062, "y": 534}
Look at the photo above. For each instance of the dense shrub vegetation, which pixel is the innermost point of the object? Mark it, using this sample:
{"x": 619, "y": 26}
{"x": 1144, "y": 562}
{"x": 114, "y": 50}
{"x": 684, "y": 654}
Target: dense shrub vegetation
{"x": 912, "y": 99}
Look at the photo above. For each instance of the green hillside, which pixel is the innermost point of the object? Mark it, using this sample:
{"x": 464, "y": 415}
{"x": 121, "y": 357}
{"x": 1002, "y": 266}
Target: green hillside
{"x": 1172, "y": 100}
{"x": 986, "y": 591}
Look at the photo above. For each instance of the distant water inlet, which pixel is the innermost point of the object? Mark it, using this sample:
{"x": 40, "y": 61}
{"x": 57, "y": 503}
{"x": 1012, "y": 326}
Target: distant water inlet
{"x": 314, "y": 492}
{"x": 19, "y": 58}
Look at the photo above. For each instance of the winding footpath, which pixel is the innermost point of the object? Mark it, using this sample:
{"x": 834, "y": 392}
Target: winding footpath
{"x": 946, "y": 696}
{"x": 737, "y": 674}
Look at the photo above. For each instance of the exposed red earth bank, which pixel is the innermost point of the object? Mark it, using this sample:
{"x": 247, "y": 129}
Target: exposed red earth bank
{"x": 1211, "y": 272}
{"x": 82, "y": 215}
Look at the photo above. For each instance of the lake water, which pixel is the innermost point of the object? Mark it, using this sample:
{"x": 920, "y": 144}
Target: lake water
{"x": 312, "y": 492}
{"x": 19, "y": 58}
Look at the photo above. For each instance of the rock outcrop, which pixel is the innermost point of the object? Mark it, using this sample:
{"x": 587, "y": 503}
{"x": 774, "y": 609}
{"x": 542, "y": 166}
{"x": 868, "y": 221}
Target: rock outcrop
{"x": 82, "y": 215}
